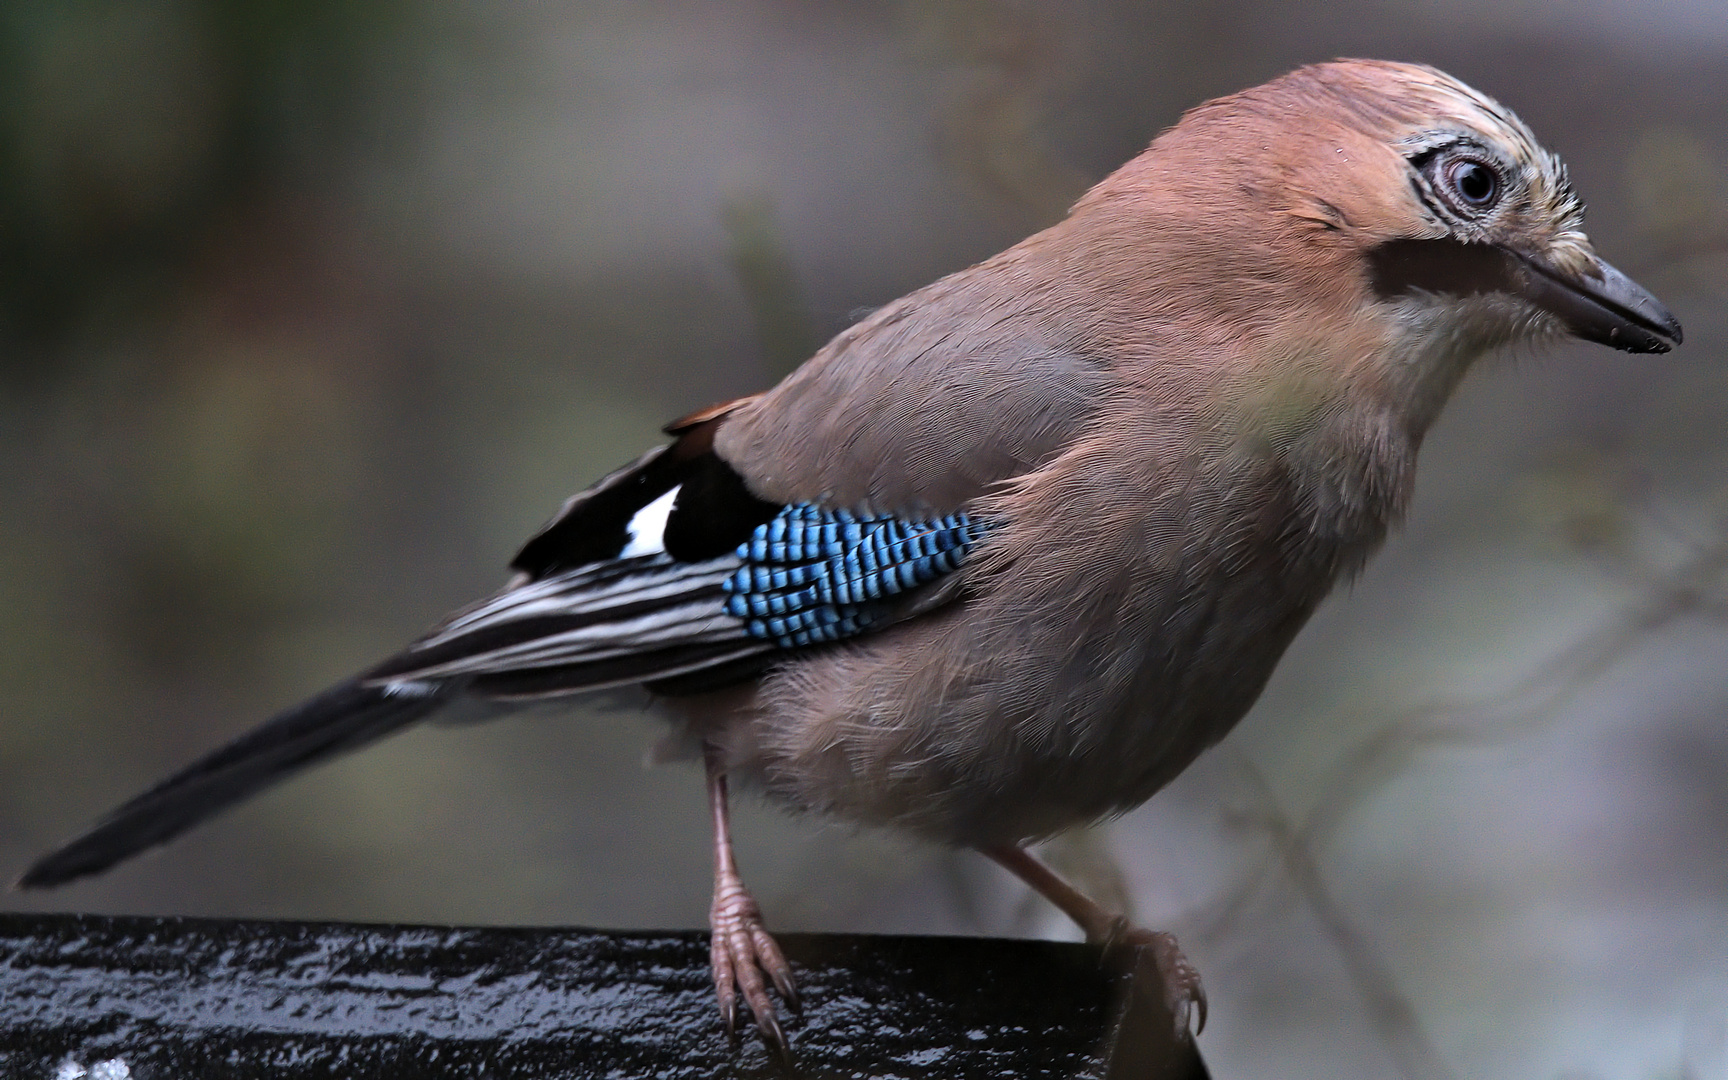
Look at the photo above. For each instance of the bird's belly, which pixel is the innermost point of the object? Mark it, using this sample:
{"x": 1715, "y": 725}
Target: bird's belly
{"x": 978, "y": 758}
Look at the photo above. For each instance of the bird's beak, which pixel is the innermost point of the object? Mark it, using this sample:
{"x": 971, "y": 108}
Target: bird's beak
{"x": 1600, "y": 304}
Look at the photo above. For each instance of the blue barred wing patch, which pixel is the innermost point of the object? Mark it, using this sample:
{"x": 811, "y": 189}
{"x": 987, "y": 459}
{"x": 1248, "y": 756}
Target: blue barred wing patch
{"x": 812, "y": 576}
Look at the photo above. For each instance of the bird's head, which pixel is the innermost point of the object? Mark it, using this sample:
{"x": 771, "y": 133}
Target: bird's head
{"x": 1311, "y": 265}
{"x": 1386, "y": 188}
{"x": 1480, "y": 208}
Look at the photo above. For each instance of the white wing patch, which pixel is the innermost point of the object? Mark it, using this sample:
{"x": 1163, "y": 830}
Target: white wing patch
{"x": 648, "y": 528}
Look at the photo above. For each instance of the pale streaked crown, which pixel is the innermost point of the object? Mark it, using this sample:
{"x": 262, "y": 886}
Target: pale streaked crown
{"x": 1535, "y": 196}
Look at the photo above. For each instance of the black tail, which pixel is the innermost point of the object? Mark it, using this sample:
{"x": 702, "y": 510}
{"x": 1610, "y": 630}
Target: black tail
{"x": 346, "y": 716}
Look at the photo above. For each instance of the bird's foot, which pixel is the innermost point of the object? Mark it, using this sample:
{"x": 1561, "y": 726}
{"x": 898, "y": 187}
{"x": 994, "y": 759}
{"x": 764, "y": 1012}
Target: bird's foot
{"x": 740, "y": 952}
{"x": 1180, "y": 979}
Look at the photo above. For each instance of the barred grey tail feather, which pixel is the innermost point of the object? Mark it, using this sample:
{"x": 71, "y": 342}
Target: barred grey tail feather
{"x": 342, "y": 718}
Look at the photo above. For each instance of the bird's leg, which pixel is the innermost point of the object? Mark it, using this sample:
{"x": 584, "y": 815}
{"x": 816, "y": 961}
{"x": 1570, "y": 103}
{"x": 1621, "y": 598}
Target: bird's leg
{"x": 1182, "y": 990}
{"x": 739, "y": 949}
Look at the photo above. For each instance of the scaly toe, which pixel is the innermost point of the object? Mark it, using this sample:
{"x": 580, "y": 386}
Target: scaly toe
{"x": 770, "y": 959}
{"x": 741, "y": 953}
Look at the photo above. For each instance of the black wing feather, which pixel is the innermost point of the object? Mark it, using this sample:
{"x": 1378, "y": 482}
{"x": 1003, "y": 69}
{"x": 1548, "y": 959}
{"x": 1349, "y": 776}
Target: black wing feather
{"x": 593, "y": 525}
{"x": 715, "y": 510}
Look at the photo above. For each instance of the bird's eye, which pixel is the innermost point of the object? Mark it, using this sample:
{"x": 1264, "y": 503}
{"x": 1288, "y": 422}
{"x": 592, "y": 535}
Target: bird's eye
{"x": 1475, "y": 184}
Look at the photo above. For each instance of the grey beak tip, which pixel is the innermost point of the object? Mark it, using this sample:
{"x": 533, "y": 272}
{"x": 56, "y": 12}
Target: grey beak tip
{"x": 1661, "y": 335}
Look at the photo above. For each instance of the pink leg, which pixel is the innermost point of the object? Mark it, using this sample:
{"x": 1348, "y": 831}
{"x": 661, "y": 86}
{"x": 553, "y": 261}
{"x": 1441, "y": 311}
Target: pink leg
{"x": 740, "y": 950}
{"x": 1182, "y": 990}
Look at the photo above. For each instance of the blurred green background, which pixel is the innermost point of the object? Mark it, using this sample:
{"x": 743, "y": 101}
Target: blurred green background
{"x": 310, "y": 311}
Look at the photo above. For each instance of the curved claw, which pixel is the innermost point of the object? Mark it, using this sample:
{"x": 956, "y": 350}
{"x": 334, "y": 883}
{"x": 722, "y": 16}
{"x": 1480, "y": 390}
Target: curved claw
{"x": 741, "y": 953}
{"x": 776, "y": 1039}
{"x": 725, "y": 984}
{"x": 1184, "y": 995}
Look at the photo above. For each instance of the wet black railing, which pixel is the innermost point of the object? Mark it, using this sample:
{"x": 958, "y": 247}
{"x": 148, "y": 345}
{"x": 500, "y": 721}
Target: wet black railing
{"x": 111, "y": 998}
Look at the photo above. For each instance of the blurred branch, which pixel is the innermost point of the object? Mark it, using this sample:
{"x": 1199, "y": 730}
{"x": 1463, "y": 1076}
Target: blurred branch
{"x": 1692, "y": 588}
{"x": 1685, "y": 590}
{"x": 1390, "y": 1012}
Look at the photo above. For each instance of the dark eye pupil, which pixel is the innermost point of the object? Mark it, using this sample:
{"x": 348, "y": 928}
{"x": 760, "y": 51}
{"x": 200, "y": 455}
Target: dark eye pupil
{"x": 1475, "y": 182}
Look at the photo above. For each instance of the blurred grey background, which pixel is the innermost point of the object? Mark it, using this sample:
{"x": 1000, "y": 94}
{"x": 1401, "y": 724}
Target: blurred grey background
{"x": 310, "y": 311}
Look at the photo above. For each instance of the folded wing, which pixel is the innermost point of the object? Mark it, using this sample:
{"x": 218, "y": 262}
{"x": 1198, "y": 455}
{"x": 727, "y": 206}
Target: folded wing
{"x": 667, "y": 572}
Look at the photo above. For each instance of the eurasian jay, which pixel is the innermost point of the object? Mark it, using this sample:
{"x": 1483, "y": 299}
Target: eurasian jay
{"x": 1005, "y": 556}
